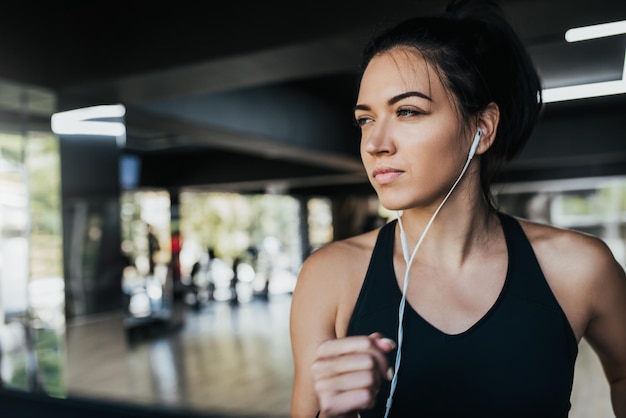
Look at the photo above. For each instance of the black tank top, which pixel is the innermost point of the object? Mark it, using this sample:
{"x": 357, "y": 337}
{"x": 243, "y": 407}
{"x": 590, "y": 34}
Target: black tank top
{"x": 516, "y": 361}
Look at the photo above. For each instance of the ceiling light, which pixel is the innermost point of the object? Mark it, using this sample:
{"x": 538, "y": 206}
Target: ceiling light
{"x": 103, "y": 120}
{"x": 583, "y": 91}
{"x": 584, "y": 33}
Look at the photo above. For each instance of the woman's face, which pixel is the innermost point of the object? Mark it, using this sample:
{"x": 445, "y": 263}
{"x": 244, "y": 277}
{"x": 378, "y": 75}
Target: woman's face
{"x": 412, "y": 142}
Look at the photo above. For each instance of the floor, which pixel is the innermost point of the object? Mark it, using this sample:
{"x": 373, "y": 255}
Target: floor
{"x": 225, "y": 360}
{"x": 234, "y": 361}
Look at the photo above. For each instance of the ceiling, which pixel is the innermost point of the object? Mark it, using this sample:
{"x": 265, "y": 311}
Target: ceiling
{"x": 258, "y": 96}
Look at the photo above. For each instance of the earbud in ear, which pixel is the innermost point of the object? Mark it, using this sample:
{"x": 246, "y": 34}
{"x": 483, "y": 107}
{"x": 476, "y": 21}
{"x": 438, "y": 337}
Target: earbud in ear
{"x": 475, "y": 143}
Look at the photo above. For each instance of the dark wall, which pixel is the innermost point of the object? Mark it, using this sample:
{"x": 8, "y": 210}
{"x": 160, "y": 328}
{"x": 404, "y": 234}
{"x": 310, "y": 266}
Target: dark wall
{"x": 581, "y": 138}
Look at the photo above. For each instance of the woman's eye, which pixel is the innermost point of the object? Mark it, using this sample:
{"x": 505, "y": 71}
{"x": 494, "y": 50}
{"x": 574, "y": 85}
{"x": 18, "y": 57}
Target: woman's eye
{"x": 362, "y": 120}
{"x": 405, "y": 113}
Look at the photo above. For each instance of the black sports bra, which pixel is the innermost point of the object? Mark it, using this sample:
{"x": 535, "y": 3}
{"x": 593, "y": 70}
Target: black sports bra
{"x": 516, "y": 361}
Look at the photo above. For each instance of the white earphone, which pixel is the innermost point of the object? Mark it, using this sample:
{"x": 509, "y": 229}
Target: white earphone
{"x": 475, "y": 143}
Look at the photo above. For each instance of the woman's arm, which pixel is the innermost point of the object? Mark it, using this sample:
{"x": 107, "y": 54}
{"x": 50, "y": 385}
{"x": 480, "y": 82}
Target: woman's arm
{"x": 606, "y": 330}
{"x": 334, "y": 376}
{"x": 312, "y": 321}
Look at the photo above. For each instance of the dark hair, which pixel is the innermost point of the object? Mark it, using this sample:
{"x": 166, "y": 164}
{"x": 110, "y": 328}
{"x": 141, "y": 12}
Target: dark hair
{"x": 479, "y": 59}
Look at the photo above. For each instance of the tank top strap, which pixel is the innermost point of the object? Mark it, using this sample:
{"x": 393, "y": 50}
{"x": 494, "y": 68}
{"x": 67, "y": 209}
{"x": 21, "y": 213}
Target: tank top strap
{"x": 525, "y": 276}
{"x": 379, "y": 289}
{"x": 527, "y": 280}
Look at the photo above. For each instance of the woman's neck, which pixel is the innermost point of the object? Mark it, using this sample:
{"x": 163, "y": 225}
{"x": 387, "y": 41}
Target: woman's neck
{"x": 457, "y": 229}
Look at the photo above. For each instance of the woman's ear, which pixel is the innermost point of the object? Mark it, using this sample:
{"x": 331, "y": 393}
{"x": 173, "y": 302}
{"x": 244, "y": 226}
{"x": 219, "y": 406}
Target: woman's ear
{"x": 488, "y": 123}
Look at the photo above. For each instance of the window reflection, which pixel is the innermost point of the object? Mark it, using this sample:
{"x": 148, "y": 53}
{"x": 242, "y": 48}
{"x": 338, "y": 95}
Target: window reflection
{"x": 31, "y": 283}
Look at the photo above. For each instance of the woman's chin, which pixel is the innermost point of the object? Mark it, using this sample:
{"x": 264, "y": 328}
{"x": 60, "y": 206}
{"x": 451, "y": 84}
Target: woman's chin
{"x": 392, "y": 205}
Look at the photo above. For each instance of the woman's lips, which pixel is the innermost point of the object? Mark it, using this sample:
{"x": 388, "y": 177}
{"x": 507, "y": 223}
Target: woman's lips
{"x": 386, "y": 175}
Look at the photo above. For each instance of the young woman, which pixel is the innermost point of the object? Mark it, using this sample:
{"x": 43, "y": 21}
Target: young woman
{"x": 455, "y": 309}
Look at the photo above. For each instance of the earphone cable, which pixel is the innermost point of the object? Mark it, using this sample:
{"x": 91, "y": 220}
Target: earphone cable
{"x": 408, "y": 261}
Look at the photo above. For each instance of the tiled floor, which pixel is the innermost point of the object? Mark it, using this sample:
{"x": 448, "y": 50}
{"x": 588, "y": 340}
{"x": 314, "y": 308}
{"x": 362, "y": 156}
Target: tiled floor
{"x": 230, "y": 360}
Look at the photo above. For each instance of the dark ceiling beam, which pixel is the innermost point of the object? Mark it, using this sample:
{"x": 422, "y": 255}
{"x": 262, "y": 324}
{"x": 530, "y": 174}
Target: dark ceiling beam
{"x": 222, "y": 170}
{"x": 146, "y": 132}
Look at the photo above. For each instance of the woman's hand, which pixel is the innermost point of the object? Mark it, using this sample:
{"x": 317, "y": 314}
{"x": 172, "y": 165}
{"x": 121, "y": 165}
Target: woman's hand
{"x": 347, "y": 373}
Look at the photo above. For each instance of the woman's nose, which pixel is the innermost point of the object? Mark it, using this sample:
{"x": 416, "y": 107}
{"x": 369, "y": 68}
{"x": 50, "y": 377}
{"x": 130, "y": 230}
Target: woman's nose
{"x": 378, "y": 139}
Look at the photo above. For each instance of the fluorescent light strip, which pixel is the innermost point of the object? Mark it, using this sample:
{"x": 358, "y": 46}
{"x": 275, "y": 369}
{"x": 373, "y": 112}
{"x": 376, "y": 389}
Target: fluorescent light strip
{"x": 88, "y": 128}
{"x": 583, "y": 91}
{"x": 81, "y": 122}
{"x": 584, "y": 33}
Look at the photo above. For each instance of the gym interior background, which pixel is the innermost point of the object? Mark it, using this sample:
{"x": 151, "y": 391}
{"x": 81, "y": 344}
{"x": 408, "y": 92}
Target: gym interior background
{"x": 229, "y": 129}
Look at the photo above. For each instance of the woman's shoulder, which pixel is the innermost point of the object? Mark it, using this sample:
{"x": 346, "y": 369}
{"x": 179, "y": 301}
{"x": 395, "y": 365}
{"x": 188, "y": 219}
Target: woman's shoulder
{"x": 330, "y": 278}
{"x": 572, "y": 257}
{"x": 566, "y": 244}
{"x": 338, "y": 267}
{"x": 342, "y": 254}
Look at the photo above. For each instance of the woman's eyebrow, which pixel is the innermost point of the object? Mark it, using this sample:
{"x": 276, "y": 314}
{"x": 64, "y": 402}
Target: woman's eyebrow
{"x": 396, "y": 99}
